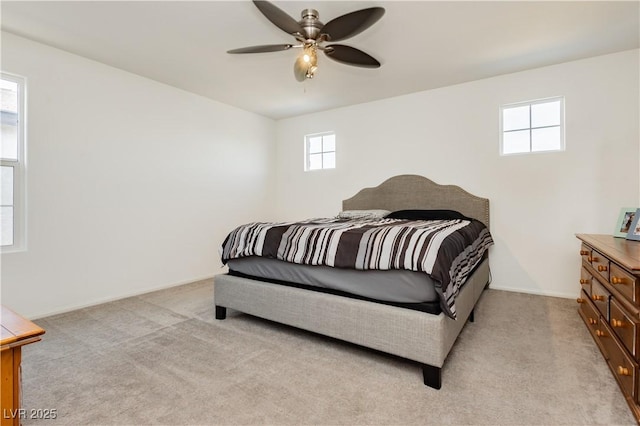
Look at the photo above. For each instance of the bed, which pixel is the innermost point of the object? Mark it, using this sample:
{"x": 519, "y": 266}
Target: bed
{"x": 415, "y": 334}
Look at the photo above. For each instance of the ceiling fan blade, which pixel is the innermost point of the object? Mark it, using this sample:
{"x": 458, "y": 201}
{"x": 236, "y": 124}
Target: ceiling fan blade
{"x": 262, "y": 49}
{"x": 278, "y": 17}
{"x": 353, "y": 23}
{"x": 350, "y": 56}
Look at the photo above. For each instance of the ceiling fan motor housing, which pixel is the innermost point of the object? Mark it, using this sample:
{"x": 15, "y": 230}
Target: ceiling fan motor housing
{"x": 310, "y": 23}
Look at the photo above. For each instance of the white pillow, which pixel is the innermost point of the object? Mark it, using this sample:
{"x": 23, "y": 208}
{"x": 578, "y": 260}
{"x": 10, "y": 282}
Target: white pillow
{"x": 363, "y": 214}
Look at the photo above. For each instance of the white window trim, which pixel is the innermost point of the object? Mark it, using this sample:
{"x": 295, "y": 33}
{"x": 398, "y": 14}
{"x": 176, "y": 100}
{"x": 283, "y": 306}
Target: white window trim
{"x": 20, "y": 167}
{"x": 307, "y": 140}
{"x": 530, "y": 103}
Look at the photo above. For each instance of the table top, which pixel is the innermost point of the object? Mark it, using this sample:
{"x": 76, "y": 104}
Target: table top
{"x": 17, "y": 330}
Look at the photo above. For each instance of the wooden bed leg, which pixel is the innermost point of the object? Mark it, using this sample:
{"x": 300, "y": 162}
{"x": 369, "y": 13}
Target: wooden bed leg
{"x": 472, "y": 317}
{"x": 221, "y": 312}
{"x": 432, "y": 376}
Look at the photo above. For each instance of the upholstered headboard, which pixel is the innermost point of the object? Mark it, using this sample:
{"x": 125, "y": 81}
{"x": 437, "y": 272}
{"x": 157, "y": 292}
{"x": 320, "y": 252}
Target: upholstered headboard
{"x": 417, "y": 192}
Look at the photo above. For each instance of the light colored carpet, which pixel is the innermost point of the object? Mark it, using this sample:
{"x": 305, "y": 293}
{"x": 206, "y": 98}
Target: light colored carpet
{"x": 162, "y": 358}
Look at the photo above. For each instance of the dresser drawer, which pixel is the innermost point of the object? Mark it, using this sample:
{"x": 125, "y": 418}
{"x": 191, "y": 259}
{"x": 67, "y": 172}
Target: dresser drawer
{"x": 600, "y": 263}
{"x": 600, "y": 297}
{"x": 625, "y": 327}
{"x": 625, "y": 283}
{"x": 585, "y": 280}
{"x": 624, "y": 368}
{"x": 591, "y": 318}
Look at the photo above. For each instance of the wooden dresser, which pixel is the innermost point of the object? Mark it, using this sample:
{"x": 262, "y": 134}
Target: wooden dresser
{"x": 610, "y": 306}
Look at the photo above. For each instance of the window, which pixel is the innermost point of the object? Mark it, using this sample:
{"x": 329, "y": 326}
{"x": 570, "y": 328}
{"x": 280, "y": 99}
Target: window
{"x": 320, "y": 151}
{"x": 534, "y": 126}
{"x": 12, "y": 162}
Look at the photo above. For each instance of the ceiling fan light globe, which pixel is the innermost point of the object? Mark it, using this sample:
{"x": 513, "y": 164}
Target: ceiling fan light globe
{"x": 309, "y": 55}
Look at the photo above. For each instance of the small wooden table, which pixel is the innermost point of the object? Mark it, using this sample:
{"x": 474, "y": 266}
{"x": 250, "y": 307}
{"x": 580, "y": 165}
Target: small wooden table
{"x": 15, "y": 332}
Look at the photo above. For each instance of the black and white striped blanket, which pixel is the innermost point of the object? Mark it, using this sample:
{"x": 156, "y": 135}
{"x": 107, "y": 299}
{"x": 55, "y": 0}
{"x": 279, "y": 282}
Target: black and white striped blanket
{"x": 446, "y": 250}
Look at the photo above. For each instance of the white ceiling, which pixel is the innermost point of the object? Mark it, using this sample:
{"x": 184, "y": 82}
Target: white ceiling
{"x": 421, "y": 44}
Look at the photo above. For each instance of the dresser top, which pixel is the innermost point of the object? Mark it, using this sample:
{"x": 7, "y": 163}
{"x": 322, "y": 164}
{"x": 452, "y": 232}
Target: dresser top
{"x": 624, "y": 252}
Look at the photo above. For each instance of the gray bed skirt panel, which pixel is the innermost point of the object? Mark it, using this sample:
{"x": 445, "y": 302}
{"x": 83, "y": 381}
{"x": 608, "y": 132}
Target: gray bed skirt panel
{"x": 394, "y": 285}
{"x": 410, "y": 334}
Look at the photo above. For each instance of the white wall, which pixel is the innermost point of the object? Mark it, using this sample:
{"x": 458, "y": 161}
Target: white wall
{"x": 132, "y": 184}
{"x": 538, "y": 202}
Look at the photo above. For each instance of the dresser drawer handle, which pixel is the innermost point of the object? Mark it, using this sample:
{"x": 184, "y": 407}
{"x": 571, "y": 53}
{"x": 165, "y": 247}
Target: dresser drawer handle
{"x": 616, "y": 280}
{"x": 617, "y": 323}
{"x": 584, "y": 252}
{"x": 623, "y": 371}
{"x": 584, "y": 281}
{"x": 580, "y": 300}
{"x": 593, "y": 321}
{"x": 600, "y": 333}
{"x": 597, "y": 297}
{"x": 602, "y": 268}
{"x": 592, "y": 259}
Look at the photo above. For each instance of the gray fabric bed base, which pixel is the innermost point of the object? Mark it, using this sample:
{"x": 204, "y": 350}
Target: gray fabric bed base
{"x": 413, "y": 335}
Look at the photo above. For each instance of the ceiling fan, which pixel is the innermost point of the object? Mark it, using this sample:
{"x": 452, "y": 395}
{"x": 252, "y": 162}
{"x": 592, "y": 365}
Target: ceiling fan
{"x": 312, "y": 34}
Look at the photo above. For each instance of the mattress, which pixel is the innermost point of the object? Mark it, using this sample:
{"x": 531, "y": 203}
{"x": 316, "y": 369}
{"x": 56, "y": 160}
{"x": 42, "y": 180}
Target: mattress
{"x": 446, "y": 250}
{"x": 395, "y": 286}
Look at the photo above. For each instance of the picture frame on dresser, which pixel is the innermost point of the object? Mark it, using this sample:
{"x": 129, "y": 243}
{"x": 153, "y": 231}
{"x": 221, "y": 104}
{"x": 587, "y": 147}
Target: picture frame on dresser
{"x": 634, "y": 229}
{"x": 625, "y": 219}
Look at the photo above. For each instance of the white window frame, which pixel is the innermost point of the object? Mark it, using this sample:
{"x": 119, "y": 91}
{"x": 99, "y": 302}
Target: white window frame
{"x": 307, "y": 153}
{"x": 531, "y": 128}
{"x": 19, "y": 168}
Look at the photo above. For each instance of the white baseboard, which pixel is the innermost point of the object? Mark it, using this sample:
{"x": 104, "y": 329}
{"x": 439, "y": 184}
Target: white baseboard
{"x": 66, "y": 309}
{"x": 535, "y": 292}
{"x": 119, "y": 297}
